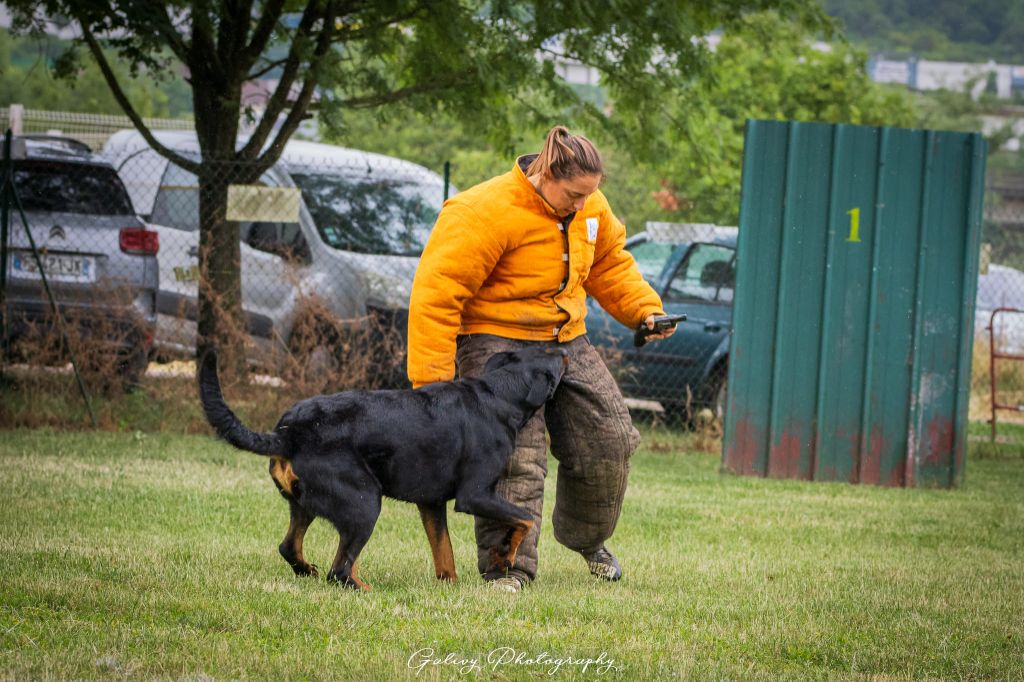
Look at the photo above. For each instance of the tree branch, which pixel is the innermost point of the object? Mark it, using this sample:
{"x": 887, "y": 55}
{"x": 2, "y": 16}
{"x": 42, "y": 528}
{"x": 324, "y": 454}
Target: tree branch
{"x": 278, "y": 100}
{"x": 264, "y": 29}
{"x": 174, "y": 40}
{"x": 368, "y": 101}
{"x": 129, "y": 110}
{"x": 264, "y": 71}
{"x": 232, "y": 30}
{"x": 298, "y": 110}
{"x": 203, "y": 47}
{"x": 372, "y": 29}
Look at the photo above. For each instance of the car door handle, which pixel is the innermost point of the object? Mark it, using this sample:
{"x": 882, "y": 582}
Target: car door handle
{"x": 193, "y": 251}
{"x": 713, "y": 327}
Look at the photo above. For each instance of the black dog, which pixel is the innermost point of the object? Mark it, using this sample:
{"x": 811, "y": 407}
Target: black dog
{"x": 335, "y": 456}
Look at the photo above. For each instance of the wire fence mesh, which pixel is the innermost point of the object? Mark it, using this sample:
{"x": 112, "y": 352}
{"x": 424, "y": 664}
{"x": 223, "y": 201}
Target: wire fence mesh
{"x": 997, "y": 397}
{"x": 327, "y": 245}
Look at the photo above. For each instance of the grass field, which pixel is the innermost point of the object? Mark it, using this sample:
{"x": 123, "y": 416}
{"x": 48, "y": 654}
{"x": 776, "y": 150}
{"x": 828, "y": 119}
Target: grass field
{"x": 154, "y": 556}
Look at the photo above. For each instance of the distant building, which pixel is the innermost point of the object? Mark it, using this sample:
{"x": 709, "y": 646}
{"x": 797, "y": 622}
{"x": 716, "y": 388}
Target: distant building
{"x": 922, "y": 74}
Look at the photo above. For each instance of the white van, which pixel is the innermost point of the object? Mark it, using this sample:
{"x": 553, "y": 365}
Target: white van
{"x": 363, "y": 221}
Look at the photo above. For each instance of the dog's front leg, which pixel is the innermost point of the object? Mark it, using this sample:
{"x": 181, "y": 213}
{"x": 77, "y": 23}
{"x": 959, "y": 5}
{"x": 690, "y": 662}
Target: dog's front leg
{"x": 503, "y": 556}
{"x": 344, "y": 569}
{"x": 490, "y": 506}
{"x": 435, "y": 522}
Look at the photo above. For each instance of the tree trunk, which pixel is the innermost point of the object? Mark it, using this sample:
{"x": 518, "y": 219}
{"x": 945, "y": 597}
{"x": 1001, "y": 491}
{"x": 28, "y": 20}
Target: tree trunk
{"x": 221, "y": 325}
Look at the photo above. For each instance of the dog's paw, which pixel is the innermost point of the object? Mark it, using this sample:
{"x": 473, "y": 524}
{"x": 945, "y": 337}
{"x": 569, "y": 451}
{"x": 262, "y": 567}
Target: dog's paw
{"x": 499, "y": 562}
{"x": 447, "y": 576}
{"x": 349, "y": 581}
{"x": 305, "y": 570}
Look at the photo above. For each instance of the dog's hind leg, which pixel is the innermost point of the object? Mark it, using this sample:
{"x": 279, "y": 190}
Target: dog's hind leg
{"x": 291, "y": 547}
{"x": 435, "y": 522}
{"x": 354, "y": 513}
{"x": 519, "y": 520}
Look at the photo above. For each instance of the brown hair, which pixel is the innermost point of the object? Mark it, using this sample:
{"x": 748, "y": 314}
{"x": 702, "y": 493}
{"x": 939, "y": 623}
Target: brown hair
{"x": 566, "y": 156}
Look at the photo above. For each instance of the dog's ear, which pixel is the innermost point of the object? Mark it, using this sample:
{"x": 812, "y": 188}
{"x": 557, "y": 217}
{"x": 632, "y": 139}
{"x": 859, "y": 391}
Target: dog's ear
{"x": 540, "y": 388}
{"x": 498, "y": 360}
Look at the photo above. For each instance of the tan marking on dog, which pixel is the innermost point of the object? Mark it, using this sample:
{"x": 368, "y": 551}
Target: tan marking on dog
{"x": 363, "y": 586}
{"x": 518, "y": 535}
{"x": 440, "y": 546}
{"x": 339, "y": 564}
{"x": 281, "y": 471}
{"x": 503, "y": 562}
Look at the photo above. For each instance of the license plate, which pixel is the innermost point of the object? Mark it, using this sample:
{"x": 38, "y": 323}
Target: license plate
{"x": 58, "y": 267}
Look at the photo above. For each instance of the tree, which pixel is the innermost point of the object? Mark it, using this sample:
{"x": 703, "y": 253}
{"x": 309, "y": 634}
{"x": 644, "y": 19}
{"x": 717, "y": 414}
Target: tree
{"x": 477, "y": 57}
{"x": 431, "y": 140}
{"x": 766, "y": 69}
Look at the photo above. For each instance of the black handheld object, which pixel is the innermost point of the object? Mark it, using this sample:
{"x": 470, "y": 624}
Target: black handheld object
{"x": 661, "y": 323}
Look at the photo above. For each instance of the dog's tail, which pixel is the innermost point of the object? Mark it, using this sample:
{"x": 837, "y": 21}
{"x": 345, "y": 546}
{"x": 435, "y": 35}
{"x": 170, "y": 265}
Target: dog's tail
{"x": 228, "y": 426}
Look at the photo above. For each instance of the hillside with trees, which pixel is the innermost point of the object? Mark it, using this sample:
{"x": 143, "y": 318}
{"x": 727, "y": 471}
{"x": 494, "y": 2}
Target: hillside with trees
{"x": 950, "y": 30}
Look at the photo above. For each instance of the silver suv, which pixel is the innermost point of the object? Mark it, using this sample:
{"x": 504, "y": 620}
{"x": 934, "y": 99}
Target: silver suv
{"x": 362, "y": 221}
{"x": 98, "y": 256}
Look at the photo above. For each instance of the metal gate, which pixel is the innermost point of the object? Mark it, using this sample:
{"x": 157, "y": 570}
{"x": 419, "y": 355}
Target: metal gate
{"x": 857, "y": 268}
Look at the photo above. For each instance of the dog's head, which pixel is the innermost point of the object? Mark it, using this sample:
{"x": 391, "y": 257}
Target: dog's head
{"x": 541, "y": 368}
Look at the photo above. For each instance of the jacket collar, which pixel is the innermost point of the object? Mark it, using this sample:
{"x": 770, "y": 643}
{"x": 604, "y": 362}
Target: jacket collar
{"x": 519, "y": 171}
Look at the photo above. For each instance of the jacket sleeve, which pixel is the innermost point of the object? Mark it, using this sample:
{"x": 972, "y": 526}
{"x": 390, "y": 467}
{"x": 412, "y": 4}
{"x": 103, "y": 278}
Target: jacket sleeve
{"x": 614, "y": 279}
{"x": 460, "y": 254}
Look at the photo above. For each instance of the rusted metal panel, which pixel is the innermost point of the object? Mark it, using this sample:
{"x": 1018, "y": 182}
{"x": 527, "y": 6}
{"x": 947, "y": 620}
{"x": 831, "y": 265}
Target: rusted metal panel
{"x": 857, "y": 270}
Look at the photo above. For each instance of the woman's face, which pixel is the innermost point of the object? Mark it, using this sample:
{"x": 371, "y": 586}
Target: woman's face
{"x": 568, "y": 195}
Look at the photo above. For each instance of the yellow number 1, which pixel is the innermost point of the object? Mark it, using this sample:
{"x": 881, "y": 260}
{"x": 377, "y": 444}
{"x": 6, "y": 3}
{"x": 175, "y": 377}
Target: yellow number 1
{"x": 854, "y": 214}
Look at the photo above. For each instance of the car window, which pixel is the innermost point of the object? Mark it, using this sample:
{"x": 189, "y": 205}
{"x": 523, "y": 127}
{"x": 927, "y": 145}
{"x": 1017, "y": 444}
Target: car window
{"x": 372, "y": 213}
{"x": 70, "y": 188}
{"x": 707, "y": 274}
{"x": 177, "y": 206}
{"x": 651, "y": 258}
{"x": 280, "y": 239}
{"x": 177, "y": 202}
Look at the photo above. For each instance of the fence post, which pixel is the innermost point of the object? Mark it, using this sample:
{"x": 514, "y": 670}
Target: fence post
{"x": 447, "y": 178}
{"x": 16, "y": 114}
{"x": 4, "y": 222}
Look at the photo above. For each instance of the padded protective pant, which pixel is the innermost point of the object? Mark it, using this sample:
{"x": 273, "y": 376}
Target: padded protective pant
{"x": 592, "y": 437}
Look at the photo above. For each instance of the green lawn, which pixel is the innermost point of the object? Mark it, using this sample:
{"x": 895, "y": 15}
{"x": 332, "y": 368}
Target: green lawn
{"x": 154, "y": 556}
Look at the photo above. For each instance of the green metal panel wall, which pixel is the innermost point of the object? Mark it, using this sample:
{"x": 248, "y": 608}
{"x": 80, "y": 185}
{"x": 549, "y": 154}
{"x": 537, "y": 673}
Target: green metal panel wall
{"x": 852, "y": 327}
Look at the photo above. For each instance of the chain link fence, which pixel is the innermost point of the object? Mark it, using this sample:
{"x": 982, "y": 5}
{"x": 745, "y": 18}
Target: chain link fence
{"x": 997, "y": 396}
{"x": 327, "y": 244}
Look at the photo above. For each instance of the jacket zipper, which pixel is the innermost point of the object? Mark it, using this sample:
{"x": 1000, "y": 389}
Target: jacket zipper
{"x": 568, "y": 269}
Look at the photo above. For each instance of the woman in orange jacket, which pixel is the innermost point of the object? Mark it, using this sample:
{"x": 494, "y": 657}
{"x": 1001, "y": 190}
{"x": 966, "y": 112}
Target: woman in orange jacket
{"x": 509, "y": 263}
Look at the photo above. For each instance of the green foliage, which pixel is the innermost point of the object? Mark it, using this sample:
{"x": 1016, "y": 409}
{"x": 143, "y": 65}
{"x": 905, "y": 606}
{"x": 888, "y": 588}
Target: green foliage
{"x": 688, "y": 141}
{"x": 39, "y": 73}
{"x": 767, "y": 70}
{"x": 490, "y": 64}
{"x": 431, "y": 140}
{"x": 954, "y": 30}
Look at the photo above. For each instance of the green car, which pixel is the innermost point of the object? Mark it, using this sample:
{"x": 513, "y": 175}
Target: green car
{"x": 693, "y": 269}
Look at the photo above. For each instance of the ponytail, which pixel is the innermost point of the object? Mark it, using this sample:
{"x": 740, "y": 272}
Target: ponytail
{"x": 566, "y": 156}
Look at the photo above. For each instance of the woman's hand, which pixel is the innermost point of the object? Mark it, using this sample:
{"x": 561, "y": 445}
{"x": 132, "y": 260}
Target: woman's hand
{"x": 649, "y": 323}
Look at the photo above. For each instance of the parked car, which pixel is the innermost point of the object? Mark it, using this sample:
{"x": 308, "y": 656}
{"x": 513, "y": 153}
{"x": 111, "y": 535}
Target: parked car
{"x": 363, "y": 221}
{"x": 693, "y": 269}
{"x": 1001, "y": 287}
{"x": 99, "y": 258}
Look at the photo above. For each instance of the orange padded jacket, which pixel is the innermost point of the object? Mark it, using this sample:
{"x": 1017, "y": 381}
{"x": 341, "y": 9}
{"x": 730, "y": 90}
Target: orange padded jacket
{"x": 499, "y": 262}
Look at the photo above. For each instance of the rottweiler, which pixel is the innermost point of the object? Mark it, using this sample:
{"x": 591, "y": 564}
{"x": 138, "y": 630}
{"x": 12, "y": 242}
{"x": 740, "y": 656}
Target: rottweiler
{"x": 335, "y": 456}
